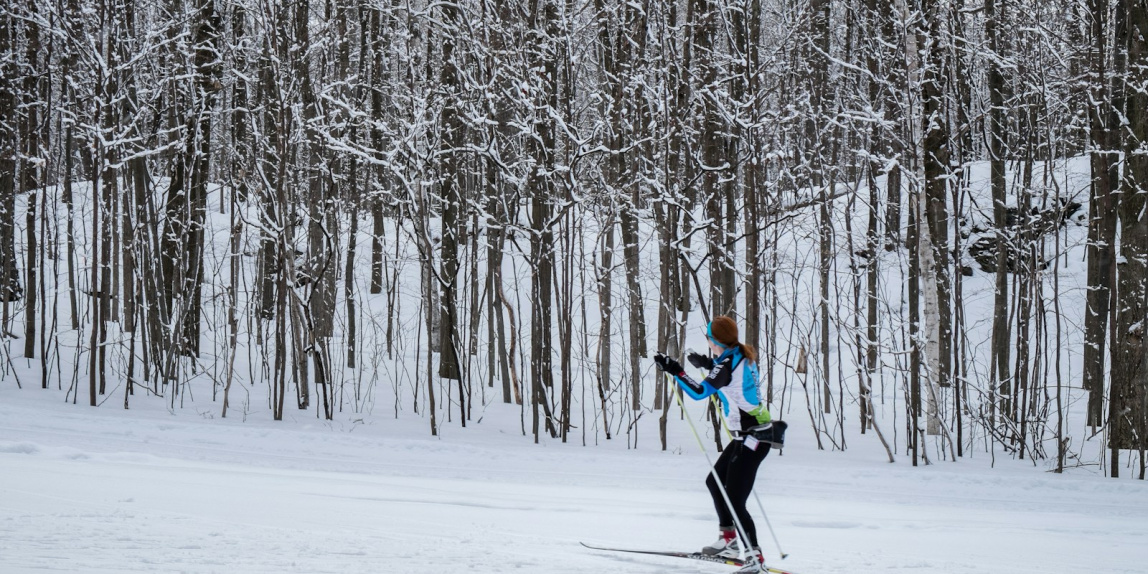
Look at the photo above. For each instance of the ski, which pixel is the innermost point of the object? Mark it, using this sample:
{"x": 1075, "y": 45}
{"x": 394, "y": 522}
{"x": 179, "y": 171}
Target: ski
{"x": 690, "y": 555}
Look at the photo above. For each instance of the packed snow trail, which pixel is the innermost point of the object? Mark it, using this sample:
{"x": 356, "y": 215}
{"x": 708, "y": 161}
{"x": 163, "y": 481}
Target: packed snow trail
{"x": 104, "y": 490}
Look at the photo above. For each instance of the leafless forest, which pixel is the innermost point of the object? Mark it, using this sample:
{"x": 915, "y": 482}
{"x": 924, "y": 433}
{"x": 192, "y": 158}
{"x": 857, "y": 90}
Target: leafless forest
{"x": 520, "y": 200}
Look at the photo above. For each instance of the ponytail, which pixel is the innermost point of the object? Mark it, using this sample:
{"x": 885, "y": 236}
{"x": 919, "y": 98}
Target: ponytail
{"x": 747, "y": 352}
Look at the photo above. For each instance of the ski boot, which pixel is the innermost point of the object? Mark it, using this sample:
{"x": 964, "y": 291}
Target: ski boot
{"x": 754, "y": 562}
{"x": 726, "y": 545}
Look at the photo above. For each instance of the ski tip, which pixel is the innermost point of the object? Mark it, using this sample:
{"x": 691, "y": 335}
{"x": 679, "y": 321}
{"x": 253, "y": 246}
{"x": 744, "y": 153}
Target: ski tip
{"x": 778, "y": 571}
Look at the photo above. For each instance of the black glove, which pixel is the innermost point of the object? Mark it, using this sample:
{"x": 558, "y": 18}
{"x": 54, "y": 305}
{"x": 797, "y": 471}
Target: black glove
{"x": 701, "y": 361}
{"x": 668, "y": 365}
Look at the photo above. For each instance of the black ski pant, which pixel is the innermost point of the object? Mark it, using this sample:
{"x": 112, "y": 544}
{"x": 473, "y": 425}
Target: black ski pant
{"x": 737, "y": 469}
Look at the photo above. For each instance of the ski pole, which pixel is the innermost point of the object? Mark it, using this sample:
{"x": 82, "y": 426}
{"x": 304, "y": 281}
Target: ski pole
{"x": 771, "y": 533}
{"x": 760, "y": 506}
{"x": 713, "y": 472}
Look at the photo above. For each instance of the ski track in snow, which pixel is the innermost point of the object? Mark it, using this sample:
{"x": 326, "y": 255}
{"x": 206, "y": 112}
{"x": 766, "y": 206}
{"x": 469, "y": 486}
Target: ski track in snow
{"x": 100, "y": 490}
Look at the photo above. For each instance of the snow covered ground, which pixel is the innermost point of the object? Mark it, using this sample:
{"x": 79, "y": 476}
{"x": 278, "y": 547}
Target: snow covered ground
{"x": 147, "y": 490}
{"x": 153, "y": 490}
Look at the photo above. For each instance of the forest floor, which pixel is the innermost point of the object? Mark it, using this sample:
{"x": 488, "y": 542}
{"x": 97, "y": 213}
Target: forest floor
{"x": 151, "y": 490}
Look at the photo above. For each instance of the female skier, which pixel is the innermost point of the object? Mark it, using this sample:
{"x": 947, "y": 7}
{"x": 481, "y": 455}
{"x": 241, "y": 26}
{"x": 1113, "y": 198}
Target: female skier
{"x": 733, "y": 377}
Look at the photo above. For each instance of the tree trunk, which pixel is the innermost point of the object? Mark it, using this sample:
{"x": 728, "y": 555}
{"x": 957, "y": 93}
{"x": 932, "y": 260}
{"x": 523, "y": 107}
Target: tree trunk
{"x": 755, "y": 183}
{"x": 914, "y": 281}
{"x": 1128, "y": 412}
{"x": 933, "y": 235}
{"x": 1102, "y": 119}
{"x": 544, "y": 19}
{"x": 451, "y": 197}
{"x": 34, "y": 133}
{"x": 823, "y": 176}
{"x": 620, "y": 175}
{"x": 712, "y": 153}
{"x": 10, "y": 289}
{"x": 606, "y": 309}
{"x": 999, "y": 371}
{"x": 890, "y": 33}
{"x": 183, "y": 239}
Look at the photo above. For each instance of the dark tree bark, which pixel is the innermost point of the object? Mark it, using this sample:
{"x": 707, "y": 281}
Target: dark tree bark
{"x": 450, "y": 196}
{"x": 914, "y": 287}
{"x": 1102, "y": 119}
{"x": 1128, "y": 411}
{"x": 34, "y": 132}
{"x": 378, "y": 27}
{"x": 186, "y": 206}
{"x": 897, "y": 76}
{"x": 755, "y": 178}
{"x": 621, "y": 35}
{"x": 633, "y": 33}
{"x": 10, "y": 289}
{"x": 936, "y": 158}
{"x": 712, "y": 152}
{"x": 544, "y": 28}
{"x": 824, "y": 178}
{"x": 873, "y": 52}
{"x": 999, "y": 372}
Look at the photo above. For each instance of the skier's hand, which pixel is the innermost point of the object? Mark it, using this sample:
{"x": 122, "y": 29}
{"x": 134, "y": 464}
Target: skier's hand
{"x": 700, "y": 361}
{"x": 668, "y": 365}
{"x": 660, "y": 360}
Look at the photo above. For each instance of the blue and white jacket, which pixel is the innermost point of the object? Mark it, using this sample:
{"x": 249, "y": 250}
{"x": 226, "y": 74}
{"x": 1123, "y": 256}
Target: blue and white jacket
{"x": 738, "y": 392}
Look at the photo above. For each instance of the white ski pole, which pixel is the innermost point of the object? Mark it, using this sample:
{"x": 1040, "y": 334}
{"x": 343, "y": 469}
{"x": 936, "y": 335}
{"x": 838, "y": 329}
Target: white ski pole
{"x": 713, "y": 472}
{"x": 760, "y": 506}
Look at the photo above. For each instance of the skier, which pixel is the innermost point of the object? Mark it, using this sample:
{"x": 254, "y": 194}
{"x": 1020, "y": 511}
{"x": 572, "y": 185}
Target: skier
{"x": 746, "y": 415}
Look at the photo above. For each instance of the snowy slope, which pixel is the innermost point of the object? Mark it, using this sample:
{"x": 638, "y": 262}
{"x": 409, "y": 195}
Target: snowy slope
{"x": 106, "y": 490}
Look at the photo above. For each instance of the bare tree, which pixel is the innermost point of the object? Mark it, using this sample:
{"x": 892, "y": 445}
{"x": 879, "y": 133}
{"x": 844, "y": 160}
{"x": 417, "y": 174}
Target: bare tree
{"x": 10, "y": 289}
{"x": 1128, "y": 414}
{"x": 1102, "y": 115}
